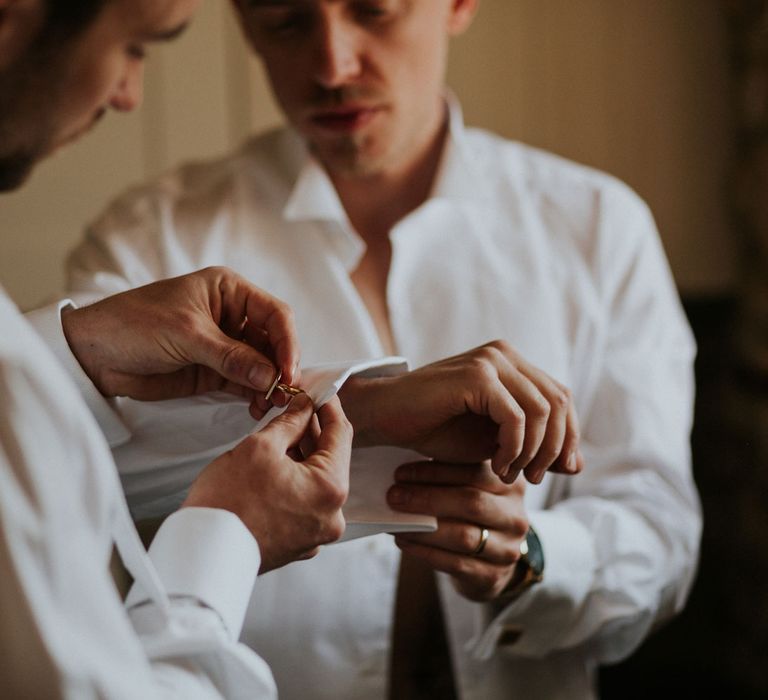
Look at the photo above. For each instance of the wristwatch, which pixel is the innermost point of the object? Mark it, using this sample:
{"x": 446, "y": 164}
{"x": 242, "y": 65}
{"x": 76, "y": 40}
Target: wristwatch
{"x": 530, "y": 567}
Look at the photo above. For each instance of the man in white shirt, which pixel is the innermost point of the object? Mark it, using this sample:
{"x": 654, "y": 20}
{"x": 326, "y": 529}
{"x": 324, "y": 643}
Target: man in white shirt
{"x": 64, "y": 632}
{"x": 415, "y": 235}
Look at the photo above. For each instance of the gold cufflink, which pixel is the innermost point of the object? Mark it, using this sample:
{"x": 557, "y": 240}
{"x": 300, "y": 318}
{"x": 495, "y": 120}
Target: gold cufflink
{"x": 285, "y": 388}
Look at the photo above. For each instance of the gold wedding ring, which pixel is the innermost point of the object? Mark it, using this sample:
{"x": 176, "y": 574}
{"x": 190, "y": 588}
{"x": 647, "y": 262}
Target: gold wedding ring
{"x": 484, "y": 534}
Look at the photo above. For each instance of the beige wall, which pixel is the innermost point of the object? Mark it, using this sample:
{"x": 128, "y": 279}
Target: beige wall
{"x": 635, "y": 87}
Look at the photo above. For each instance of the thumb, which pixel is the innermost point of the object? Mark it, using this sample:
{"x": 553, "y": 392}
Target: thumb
{"x": 238, "y": 362}
{"x": 291, "y": 425}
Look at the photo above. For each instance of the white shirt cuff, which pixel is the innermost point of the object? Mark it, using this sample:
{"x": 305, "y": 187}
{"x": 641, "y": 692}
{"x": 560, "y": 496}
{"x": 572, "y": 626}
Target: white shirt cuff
{"x": 209, "y": 555}
{"x": 542, "y": 613}
{"x": 323, "y": 382}
{"x": 47, "y": 322}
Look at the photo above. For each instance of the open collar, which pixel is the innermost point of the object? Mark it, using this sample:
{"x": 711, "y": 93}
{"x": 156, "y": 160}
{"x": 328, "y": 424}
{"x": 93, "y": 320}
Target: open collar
{"x": 314, "y": 198}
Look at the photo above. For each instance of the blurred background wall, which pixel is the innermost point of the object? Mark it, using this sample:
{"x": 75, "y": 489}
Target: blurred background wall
{"x": 645, "y": 89}
{"x": 634, "y": 87}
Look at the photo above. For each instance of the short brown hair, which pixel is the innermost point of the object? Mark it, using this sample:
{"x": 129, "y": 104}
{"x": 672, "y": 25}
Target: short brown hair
{"x": 67, "y": 18}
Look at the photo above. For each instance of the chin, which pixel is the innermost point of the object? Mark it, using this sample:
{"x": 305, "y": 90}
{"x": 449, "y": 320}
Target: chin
{"x": 351, "y": 159}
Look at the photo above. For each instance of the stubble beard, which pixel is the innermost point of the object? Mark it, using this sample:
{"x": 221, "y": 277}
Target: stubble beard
{"x": 349, "y": 156}
{"x": 29, "y": 96}
{"x": 20, "y": 134}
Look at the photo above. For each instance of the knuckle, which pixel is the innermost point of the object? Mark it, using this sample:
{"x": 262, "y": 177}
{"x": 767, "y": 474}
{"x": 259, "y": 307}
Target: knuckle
{"x": 517, "y": 417}
{"x": 560, "y": 398}
{"x": 233, "y": 361}
{"x": 490, "y": 352}
{"x": 284, "y": 310}
{"x": 502, "y": 346}
{"x": 570, "y": 443}
{"x": 335, "y": 528}
{"x": 468, "y": 539}
{"x": 215, "y": 272}
{"x": 526, "y": 456}
{"x": 481, "y": 366}
{"x": 336, "y": 495}
{"x": 548, "y": 454}
{"x": 474, "y": 505}
{"x": 345, "y": 426}
{"x": 540, "y": 408}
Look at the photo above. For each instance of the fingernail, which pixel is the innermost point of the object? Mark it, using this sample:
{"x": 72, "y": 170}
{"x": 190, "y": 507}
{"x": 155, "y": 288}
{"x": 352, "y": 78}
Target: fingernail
{"x": 570, "y": 465}
{"x": 398, "y": 496}
{"x": 262, "y": 376}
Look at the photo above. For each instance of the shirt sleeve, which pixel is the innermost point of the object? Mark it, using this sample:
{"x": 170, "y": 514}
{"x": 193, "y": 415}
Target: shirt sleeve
{"x": 208, "y": 562}
{"x": 47, "y": 323}
{"x": 621, "y": 539}
{"x": 64, "y": 632}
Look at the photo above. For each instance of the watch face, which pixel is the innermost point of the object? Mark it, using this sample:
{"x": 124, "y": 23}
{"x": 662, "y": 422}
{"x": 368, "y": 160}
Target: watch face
{"x": 535, "y": 553}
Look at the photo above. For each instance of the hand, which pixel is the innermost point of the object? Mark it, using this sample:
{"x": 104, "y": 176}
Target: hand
{"x": 465, "y": 498}
{"x": 291, "y": 504}
{"x": 485, "y": 403}
{"x": 201, "y": 332}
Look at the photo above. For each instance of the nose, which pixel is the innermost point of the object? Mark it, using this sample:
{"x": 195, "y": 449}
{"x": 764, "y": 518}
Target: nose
{"x": 129, "y": 92}
{"x": 338, "y": 55}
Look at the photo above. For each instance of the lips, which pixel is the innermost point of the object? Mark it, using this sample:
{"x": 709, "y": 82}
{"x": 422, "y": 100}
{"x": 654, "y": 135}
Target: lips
{"x": 344, "y": 119}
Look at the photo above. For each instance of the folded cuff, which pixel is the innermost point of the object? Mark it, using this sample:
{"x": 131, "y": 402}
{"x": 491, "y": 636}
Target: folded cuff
{"x": 47, "y": 322}
{"x": 209, "y": 555}
{"x": 540, "y": 616}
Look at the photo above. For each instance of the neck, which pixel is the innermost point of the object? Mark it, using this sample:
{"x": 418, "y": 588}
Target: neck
{"x": 375, "y": 203}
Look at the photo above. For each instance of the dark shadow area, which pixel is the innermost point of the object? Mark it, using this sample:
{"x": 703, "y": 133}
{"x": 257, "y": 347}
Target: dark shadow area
{"x": 718, "y": 645}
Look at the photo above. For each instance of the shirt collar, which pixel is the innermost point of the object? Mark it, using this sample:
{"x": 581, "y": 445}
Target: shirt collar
{"x": 314, "y": 197}
{"x": 457, "y": 179}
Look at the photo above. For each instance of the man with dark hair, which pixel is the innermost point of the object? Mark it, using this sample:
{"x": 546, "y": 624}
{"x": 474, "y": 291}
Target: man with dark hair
{"x": 64, "y": 631}
{"x": 273, "y": 498}
{"x": 69, "y": 17}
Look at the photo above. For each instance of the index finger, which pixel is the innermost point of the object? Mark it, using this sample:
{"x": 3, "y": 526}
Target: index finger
{"x": 261, "y": 309}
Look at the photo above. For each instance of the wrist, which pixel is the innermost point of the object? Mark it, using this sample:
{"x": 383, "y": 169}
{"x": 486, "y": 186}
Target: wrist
{"x": 71, "y": 324}
{"x": 361, "y": 399}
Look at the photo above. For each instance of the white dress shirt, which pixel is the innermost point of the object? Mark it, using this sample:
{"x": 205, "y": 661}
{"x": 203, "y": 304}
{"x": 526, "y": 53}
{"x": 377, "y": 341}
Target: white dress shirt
{"x": 64, "y": 632}
{"x": 561, "y": 261}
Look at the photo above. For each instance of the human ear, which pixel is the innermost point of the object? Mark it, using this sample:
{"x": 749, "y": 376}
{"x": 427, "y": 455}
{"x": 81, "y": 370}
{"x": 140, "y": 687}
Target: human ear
{"x": 20, "y": 21}
{"x": 462, "y": 13}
